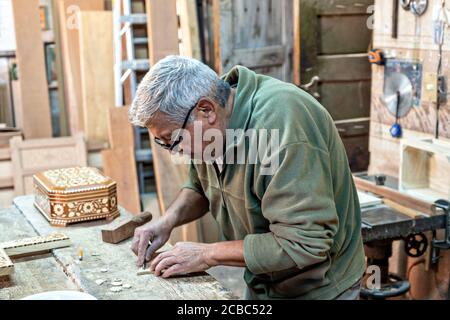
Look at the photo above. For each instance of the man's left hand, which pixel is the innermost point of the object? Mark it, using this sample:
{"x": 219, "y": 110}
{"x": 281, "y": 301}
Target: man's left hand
{"x": 183, "y": 258}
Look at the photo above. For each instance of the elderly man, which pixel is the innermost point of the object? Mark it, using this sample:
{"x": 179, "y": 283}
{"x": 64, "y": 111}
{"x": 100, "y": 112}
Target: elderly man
{"x": 296, "y": 227}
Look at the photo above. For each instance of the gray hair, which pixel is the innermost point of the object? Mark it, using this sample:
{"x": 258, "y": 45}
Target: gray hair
{"x": 173, "y": 86}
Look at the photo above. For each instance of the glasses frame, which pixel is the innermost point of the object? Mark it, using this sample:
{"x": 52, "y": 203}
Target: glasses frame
{"x": 178, "y": 139}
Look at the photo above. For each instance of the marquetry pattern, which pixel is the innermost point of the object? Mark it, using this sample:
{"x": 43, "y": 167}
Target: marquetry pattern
{"x": 74, "y": 195}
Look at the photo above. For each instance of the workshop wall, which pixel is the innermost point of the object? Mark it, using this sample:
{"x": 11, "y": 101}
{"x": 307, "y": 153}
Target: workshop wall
{"x": 414, "y": 42}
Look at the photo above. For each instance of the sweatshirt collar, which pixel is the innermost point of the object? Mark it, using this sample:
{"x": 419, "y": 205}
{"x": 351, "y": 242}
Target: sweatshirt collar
{"x": 246, "y": 81}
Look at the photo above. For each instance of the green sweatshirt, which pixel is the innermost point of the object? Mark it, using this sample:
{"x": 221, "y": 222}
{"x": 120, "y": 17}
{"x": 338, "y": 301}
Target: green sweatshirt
{"x": 301, "y": 225}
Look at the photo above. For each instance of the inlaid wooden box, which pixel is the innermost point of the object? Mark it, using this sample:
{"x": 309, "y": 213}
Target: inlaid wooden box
{"x": 72, "y": 195}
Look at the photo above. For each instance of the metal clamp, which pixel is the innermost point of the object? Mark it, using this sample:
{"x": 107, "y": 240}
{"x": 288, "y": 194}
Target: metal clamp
{"x": 438, "y": 245}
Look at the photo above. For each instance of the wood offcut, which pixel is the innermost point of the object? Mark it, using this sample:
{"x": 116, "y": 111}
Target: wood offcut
{"x": 123, "y": 229}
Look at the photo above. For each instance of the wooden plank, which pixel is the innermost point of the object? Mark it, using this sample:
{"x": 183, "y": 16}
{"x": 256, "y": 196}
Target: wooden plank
{"x": 120, "y": 131}
{"x": 33, "y": 110}
{"x": 97, "y": 72}
{"x": 32, "y": 156}
{"x": 6, "y": 265}
{"x": 126, "y": 178}
{"x": 70, "y": 48}
{"x": 405, "y": 210}
{"x": 162, "y": 29}
{"x": 30, "y": 246}
{"x": 190, "y": 42}
{"x": 119, "y": 163}
{"x": 256, "y": 34}
{"x": 394, "y": 195}
{"x": 119, "y": 262}
{"x": 123, "y": 228}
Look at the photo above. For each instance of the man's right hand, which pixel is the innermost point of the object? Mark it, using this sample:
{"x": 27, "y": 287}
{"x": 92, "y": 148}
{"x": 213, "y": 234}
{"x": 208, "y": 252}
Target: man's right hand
{"x": 158, "y": 232}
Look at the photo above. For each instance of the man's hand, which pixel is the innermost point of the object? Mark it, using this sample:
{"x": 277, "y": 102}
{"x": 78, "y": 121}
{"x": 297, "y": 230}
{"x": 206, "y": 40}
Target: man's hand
{"x": 158, "y": 232}
{"x": 183, "y": 258}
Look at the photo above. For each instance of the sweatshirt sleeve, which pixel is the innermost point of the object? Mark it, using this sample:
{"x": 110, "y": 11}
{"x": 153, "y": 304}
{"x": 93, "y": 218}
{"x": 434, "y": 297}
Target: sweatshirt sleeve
{"x": 298, "y": 202}
{"x": 193, "y": 182}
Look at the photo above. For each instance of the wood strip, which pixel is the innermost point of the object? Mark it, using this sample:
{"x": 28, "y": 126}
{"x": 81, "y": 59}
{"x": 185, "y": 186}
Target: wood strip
{"x": 30, "y": 246}
{"x": 394, "y": 195}
{"x": 6, "y": 265}
{"x": 33, "y": 108}
{"x": 97, "y": 72}
{"x": 70, "y": 49}
{"x": 405, "y": 210}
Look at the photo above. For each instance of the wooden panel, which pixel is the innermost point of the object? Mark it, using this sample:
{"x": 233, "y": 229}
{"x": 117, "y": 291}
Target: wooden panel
{"x": 162, "y": 29}
{"x": 34, "y": 106}
{"x": 256, "y": 34}
{"x": 97, "y": 73}
{"x": 70, "y": 48}
{"x": 32, "y": 156}
{"x": 119, "y": 163}
{"x": 335, "y": 37}
{"x": 190, "y": 42}
{"x": 346, "y": 100}
{"x": 348, "y": 67}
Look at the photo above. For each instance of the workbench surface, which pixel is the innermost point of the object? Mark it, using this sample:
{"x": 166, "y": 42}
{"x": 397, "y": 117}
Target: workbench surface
{"x": 61, "y": 269}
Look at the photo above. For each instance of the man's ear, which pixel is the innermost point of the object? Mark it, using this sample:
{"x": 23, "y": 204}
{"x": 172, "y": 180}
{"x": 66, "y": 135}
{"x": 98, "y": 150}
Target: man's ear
{"x": 207, "y": 109}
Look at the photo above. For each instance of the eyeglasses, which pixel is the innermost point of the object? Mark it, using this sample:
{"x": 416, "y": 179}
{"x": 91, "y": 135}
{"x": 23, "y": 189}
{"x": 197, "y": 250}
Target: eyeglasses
{"x": 179, "y": 138}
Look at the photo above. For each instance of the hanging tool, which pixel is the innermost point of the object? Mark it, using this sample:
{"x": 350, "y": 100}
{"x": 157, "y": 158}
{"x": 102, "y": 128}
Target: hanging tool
{"x": 406, "y": 4}
{"x": 376, "y": 56}
{"x": 396, "y": 129}
{"x": 394, "y": 32}
{"x": 398, "y": 98}
{"x": 419, "y": 7}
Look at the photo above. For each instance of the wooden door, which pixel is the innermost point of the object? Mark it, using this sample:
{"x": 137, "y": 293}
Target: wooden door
{"x": 335, "y": 37}
{"x": 256, "y": 34}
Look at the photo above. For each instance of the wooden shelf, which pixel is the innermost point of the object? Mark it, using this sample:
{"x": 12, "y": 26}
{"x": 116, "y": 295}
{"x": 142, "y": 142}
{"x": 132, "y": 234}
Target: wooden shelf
{"x": 425, "y": 169}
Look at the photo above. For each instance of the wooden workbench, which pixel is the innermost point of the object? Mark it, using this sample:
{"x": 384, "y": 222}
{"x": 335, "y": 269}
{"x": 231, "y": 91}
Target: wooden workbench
{"x": 61, "y": 269}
